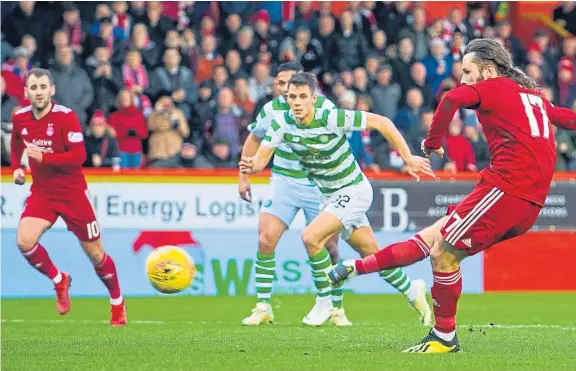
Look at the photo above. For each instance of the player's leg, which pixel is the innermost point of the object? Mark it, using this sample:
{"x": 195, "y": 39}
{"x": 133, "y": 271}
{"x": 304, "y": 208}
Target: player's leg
{"x": 399, "y": 254}
{"x": 80, "y": 218}
{"x": 362, "y": 240}
{"x": 275, "y": 217}
{"x": 311, "y": 210}
{"x": 315, "y": 238}
{"x": 37, "y": 217}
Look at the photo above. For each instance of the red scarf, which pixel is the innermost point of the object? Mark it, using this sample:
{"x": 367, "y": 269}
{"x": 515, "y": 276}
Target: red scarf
{"x": 123, "y": 21}
{"x": 74, "y": 33}
{"x": 142, "y": 101}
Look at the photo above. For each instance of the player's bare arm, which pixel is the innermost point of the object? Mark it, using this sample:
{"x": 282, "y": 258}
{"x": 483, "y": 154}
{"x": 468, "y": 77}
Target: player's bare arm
{"x": 255, "y": 164}
{"x": 386, "y": 127}
{"x": 249, "y": 149}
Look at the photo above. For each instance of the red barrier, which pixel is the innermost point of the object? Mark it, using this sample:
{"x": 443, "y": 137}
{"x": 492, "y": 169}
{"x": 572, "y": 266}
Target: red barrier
{"x": 537, "y": 261}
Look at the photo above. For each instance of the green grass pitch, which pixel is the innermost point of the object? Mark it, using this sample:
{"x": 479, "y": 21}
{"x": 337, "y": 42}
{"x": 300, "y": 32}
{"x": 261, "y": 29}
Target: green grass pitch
{"x": 529, "y": 332}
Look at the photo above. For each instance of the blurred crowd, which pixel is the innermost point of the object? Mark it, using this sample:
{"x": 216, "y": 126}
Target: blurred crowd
{"x": 175, "y": 84}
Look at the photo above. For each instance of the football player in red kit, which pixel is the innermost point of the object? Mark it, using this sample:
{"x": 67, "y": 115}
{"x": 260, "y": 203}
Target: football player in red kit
{"x": 51, "y": 136}
{"x": 516, "y": 120}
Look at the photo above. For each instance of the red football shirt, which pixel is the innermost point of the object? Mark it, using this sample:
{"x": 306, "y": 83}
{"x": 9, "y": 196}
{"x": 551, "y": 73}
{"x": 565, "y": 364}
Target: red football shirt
{"x": 59, "y": 135}
{"x": 516, "y": 123}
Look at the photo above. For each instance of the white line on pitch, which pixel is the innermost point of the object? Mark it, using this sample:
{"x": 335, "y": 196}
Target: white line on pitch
{"x": 159, "y": 322}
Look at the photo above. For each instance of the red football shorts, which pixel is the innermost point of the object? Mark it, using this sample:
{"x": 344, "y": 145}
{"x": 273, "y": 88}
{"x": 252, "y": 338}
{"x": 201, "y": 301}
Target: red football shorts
{"x": 487, "y": 216}
{"x": 77, "y": 212}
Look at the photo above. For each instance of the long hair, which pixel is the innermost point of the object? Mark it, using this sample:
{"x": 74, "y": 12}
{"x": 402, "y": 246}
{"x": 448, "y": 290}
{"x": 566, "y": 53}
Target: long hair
{"x": 488, "y": 51}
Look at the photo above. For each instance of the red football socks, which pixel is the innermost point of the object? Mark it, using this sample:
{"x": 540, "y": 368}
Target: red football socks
{"x": 39, "y": 259}
{"x": 397, "y": 255}
{"x": 106, "y": 270}
{"x": 445, "y": 294}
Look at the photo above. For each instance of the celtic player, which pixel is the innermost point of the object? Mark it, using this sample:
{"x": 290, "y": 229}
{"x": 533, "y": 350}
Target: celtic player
{"x": 291, "y": 191}
{"x": 318, "y": 138}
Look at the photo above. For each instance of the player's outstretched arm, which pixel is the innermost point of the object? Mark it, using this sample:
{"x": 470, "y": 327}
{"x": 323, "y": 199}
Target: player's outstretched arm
{"x": 562, "y": 117}
{"x": 461, "y": 97}
{"x": 386, "y": 127}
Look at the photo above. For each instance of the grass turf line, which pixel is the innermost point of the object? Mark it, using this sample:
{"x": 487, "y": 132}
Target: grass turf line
{"x": 204, "y": 333}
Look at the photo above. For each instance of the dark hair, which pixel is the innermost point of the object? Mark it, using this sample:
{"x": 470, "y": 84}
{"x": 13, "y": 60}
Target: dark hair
{"x": 39, "y": 72}
{"x": 304, "y": 78}
{"x": 488, "y": 51}
{"x": 291, "y": 66}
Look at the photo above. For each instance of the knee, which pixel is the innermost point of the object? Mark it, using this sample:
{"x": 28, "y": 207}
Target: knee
{"x": 312, "y": 243}
{"x": 26, "y": 242}
{"x": 266, "y": 243}
{"x": 442, "y": 260}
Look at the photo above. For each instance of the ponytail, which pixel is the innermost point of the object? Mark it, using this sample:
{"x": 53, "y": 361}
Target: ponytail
{"x": 519, "y": 77}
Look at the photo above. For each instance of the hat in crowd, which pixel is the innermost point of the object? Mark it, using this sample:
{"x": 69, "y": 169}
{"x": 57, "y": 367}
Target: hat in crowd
{"x": 533, "y": 47}
{"x": 384, "y": 67}
{"x": 21, "y": 52}
{"x": 206, "y": 84}
{"x": 69, "y": 6}
{"x": 261, "y": 15}
{"x": 105, "y": 20}
{"x": 566, "y": 64}
{"x": 98, "y": 118}
{"x": 217, "y": 139}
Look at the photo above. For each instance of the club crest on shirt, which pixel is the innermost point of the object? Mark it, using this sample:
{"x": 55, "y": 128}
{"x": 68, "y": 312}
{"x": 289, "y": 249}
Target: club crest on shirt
{"x": 50, "y": 129}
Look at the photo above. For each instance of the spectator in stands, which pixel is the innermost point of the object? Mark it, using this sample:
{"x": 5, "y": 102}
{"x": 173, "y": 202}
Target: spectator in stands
{"x": 76, "y": 30}
{"x": 229, "y": 33}
{"x": 363, "y": 18}
{"x": 403, "y": 63}
{"x": 59, "y": 40}
{"x": 24, "y": 20}
{"x": 15, "y": 71}
{"x": 565, "y": 81}
{"x": 202, "y": 112}
{"x": 452, "y": 24}
{"x": 438, "y": 64}
{"x": 565, "y": 16}
{"x": 418, "y": 74}
{"x": 29, "y": 43}
{"x": 8, "y": 103}
{"x": 190, "y": 158}
{"x": 347, "y": 78}
{"x": 326, "y": 27}
{"x": 173, "y": 40}
{"x": 392, "y": 18}
{"x": 356, "y": 138}
{"x": 271, "y": 93}
{"x": 121, "y": 18}
{"x": 220, "y": 155}
{"x": 435, "y": 29}
{"x": 176, "y": 79}
{"x": 267, "y": 37}
{"x": 408, "y": 118}
{"x": 504, "y": 30}
{"x": 305, "y": 16}
{"x": 338, "y": 88}
{"x": 453, "y": 81}
{"x": 305, "y": 50}
{"x": 436, "y": 162}
{"x": 457, "y": 45}
{"x": 349, "y": 47}
{"x": 158, "y": 24}
{"x": 535, "y": 57}
{"x": 220, "y": 79}
{"x": 134, "y": 77}
{"x": 130, "y": 126}
{"x": 168, "y": 128}
{"x": 458, "y": 147}
{"x": 246, "y": 47}
{"x": 380, "y": 42}
{"x": 107, "y": 38}
{"x": 106, "y": 86}
{"x": 234, "y": 65}
{"x": 242, "y": 96}
{"x": 479, "y": 146}
{"x": 417, "y": 33}
{"x": 208, "y": 58}
{"x": 149, "y": 50}
{"x": 189, "y": 48}
{"x": 535, "y": 73}
{"x": 259, "y": 82}
{"x": 230, "y": 122}
{"x": 6, "y": 49}
{"x": 101, "y": 146}
{"x": 550, "y": 54}
{"x": 372, "y": 64}
{"x": 489, "y": 32}
{"x": 386, "y": 94}
{"x": 73, "y": 86}
{"x": 476, "y": 20}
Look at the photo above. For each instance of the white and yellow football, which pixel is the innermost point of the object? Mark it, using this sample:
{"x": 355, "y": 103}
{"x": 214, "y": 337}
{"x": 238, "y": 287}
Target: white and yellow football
{"x": 170, "y": 269}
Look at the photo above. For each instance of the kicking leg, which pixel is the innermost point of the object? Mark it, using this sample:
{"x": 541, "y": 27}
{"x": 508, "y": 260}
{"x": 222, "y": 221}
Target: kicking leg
{"x": 363, "y": 240}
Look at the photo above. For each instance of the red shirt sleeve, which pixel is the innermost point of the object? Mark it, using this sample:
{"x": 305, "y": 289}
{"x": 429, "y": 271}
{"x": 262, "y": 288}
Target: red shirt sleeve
{"x": 562, "y": 117}
{"x": 16, "y": 146}
{"x": 461, "y": 97}
{"x": 71, "y": 135}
